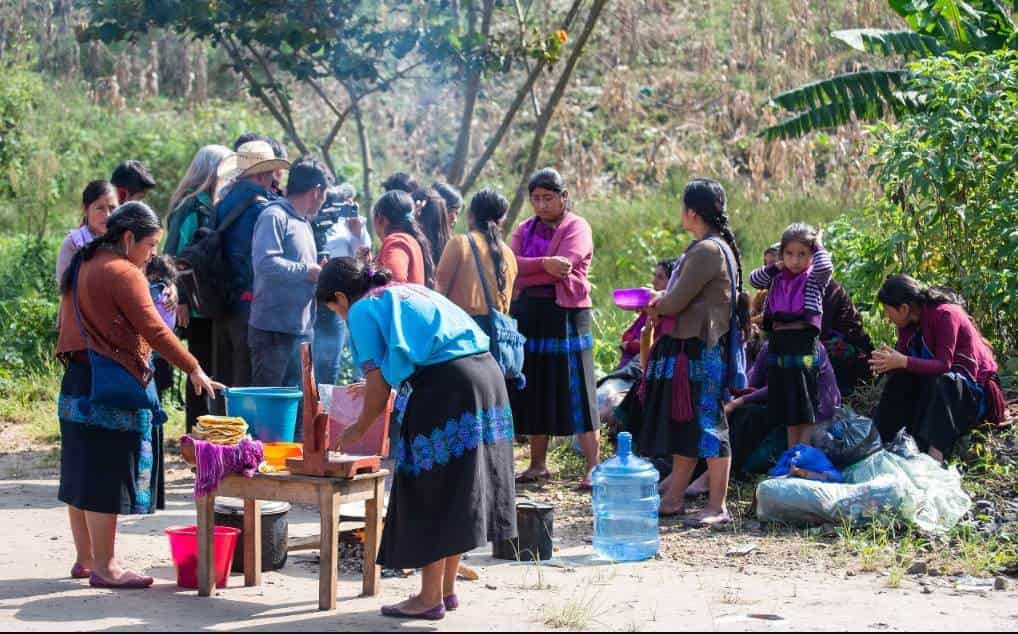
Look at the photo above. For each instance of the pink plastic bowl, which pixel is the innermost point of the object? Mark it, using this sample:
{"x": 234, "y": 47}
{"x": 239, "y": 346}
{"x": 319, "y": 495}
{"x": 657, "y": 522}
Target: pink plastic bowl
{"x": 632, "y": 298}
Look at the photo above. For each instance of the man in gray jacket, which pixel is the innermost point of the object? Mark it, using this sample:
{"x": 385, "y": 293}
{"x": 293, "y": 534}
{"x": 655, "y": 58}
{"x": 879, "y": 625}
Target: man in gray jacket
{"x": 285, "y": 273}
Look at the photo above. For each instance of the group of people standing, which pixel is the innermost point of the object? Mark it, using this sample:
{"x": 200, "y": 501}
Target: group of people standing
{"x": 417, "y": 316}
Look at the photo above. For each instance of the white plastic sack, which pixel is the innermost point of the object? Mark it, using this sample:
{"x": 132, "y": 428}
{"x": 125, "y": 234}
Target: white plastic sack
{"x": 797, "y": 501}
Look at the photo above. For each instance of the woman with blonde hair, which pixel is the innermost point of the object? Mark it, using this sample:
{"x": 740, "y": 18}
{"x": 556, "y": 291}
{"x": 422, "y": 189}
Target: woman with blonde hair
{"x": 190, "y": 211}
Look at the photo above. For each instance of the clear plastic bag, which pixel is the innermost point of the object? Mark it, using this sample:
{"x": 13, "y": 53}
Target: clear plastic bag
{"x": 797, "y": 501}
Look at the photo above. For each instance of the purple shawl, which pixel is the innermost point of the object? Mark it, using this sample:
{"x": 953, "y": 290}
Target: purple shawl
{"x": 537, "y": 240}
{"x": 214, "y": 462}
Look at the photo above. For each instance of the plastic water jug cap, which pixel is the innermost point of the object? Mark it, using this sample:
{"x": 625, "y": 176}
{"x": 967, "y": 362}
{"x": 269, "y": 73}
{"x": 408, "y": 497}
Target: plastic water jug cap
{"x": 625, "y": 444}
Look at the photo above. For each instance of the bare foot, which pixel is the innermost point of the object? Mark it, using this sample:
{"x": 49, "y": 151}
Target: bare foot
{"x": 533, "y": 475}
{"x": 710, "y": 518}
{"x": 664, "y": 484}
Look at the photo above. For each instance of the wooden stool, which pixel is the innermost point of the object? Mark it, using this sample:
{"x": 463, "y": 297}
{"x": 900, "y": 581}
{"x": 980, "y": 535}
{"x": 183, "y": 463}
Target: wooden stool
{"x": 324, "y": 492}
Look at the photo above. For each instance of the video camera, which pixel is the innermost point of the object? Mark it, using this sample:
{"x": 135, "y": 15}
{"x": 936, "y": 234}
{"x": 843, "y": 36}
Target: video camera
{"x": 334, "y": 210}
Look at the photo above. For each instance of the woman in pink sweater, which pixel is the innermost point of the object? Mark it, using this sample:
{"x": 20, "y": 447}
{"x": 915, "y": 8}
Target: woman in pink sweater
{"x": 552, "y": 305}
{"x": 943, "y": 376}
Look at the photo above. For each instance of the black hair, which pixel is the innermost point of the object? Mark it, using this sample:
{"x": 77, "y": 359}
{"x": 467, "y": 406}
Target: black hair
{"x": 93, "y": 192}
{"x": 706, "y": 198}
{"x": 350, "y": 277}
{"x": 278, "y": 150}
{"x": 162, "y": 268}
{"x": 434, "y": 219}
{"x": 397, "y": 207}
{"x": 546, "y": 178}
{"x": 904, "y": 290}
{"x": 488, "y": 209}
{"x": 132, "y": 176}
{"x": 136, "y": 217}
{"x": 668, "y": 265}
{"x": 799, "y": 232}
{"x": 339, "y": 194}
{"x": 774, "y": 248}
{"x": 305, "y": 175}
{"x": 453, "y": 197}
{"x": 400, "y": 181}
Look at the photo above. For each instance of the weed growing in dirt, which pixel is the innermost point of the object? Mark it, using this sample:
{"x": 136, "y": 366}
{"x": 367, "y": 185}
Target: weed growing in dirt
{"x": 578, "y": 613}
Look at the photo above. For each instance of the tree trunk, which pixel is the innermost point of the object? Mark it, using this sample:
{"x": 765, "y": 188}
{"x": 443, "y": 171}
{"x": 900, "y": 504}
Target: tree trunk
{"x": 471, "y": 88}
{"x": 549, "y": 110}
{"x": 366, "y": 167}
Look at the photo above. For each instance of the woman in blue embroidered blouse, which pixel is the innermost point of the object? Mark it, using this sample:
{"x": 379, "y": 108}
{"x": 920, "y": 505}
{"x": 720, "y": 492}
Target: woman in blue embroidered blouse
{"x": 453, "y": 489}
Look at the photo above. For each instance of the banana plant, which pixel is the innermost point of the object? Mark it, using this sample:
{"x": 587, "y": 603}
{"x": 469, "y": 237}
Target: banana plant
{"x": 935, "y": 28}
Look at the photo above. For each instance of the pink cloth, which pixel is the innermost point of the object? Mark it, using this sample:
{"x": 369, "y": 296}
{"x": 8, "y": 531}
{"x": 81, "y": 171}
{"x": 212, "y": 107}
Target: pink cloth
{"x": 572, "y": 240}
{"x": 214, "y": 462}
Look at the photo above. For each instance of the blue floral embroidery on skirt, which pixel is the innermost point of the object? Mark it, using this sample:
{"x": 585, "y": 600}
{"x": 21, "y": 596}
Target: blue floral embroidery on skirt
{"x": 709, "y": 373}
{"x": 573, "y": 343}
{"x": 428, "y": 451}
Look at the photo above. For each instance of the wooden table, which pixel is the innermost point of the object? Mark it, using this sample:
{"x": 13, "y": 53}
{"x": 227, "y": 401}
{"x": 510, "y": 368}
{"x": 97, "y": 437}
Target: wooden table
{"x": 325, "y": 493}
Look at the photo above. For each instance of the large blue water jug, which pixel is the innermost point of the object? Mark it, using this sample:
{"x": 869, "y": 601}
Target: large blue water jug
{"x": 626, "y": 503}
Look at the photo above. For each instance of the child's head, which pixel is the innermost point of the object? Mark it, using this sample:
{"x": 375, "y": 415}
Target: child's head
{"x": 162, "y": 268}
{"x": 798, "y": 244}
{"x": 663, "y": 273}
{"x": 772, "y": 254}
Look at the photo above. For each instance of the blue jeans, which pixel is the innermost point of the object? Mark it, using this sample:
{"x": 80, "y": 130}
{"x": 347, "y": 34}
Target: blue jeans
{"x": 331, "y": 334}
{"x": 275, "y": 358}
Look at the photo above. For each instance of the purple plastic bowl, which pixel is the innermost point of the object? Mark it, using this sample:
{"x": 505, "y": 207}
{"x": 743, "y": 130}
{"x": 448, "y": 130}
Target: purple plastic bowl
{"x": 632, "y": 298}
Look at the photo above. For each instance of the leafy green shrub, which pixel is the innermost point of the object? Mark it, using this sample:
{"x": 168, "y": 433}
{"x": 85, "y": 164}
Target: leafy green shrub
{"x": 28, "y": 306}
{"x": 949, "y": 213}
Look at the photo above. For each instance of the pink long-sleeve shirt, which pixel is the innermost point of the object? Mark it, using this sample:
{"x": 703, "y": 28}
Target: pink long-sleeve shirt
{"x": 574, "y": 241}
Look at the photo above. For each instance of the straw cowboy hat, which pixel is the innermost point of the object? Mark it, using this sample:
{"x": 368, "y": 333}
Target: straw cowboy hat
{"x": 254, "y": 157}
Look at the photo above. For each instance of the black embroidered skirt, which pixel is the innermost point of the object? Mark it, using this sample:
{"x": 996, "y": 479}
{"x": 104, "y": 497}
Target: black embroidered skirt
{"x": 560, "y": 398}
{"x": 648, "y": 413}
{"x": 793, "y": 377}
{"x": 453, "y": 489}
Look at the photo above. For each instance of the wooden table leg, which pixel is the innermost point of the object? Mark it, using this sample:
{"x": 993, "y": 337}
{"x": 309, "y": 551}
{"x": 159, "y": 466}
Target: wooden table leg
{"x": 328, "y": 506}
{"x": 252, "y": 543}
{"x": 372, "y": 539}
{"x": 206, "y": 543}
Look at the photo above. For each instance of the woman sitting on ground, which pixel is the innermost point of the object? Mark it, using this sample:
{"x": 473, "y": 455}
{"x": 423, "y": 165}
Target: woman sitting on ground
{"x": 458, "y": 277}
{"x": 405, "y": 250}
{"x": 631, "y": 337}
{"x": 942, "y": 374}
{"x": 453, "y": 488}
{"x": 111, "y": 457}
{"x": 846, "y": 341}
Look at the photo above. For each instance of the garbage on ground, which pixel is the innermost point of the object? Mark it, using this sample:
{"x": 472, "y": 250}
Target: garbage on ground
{"x": 917, "y": 489}
{"x": 847, "y": 439}
{"x": 803, "y": 461}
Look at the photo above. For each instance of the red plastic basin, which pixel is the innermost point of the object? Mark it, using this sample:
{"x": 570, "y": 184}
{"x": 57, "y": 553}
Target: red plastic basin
{"x": 184, "y": 549}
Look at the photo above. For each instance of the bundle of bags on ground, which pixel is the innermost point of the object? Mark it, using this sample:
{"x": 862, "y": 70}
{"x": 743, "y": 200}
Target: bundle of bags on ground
{"x": 848, "y": 476}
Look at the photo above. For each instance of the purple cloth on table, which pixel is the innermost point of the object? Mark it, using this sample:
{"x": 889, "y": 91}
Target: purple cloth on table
{"x": 214, "y": 462}
{"x": 829, "y": 396}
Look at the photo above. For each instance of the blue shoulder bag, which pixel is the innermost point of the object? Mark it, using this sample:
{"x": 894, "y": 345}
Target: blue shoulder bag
{"x": 112, "y": 385}
{"x": 736, "y": 372}
{"x": 507, "y": 344}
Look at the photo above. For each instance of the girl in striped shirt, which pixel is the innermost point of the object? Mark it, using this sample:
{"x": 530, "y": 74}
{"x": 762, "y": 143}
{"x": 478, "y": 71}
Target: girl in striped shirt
{"x": 792, "y": 317}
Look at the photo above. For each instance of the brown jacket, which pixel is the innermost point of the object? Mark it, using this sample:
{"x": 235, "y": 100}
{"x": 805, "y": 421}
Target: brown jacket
{"x": 458, "y": 280}
{"x": 701, "y": 299}
{"x": 119, "y": 317}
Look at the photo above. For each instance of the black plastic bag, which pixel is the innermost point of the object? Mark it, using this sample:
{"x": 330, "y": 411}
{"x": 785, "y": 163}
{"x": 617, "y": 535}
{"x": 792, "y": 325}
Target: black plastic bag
{"x": 848, "y": 439}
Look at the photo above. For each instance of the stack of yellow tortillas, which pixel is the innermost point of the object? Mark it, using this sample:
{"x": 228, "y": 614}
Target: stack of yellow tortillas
{"x": 221, "y": 430}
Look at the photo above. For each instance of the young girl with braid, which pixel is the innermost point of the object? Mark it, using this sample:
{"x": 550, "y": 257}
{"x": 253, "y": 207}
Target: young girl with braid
{"x": 680, "y": 411}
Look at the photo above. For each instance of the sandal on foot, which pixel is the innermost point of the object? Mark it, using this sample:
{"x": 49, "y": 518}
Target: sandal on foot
{"x": 79, "y": 571}
{"x": 436, "y": 613}
{"x": 676, "y": 513}
{"x": 130, "y": 581}
{"x": 712, "y": 521}
{"x": 529, "y": 477}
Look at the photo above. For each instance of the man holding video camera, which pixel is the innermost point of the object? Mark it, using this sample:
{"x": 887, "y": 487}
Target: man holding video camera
{"x": 340, "y": 232}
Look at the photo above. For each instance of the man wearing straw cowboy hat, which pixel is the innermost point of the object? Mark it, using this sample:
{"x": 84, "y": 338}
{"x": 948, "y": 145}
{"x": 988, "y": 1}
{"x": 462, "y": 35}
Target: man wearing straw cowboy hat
{"x": 252, "y": 170}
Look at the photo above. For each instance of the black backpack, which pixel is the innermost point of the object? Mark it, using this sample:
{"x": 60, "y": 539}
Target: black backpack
{"x": 204, "y": 282}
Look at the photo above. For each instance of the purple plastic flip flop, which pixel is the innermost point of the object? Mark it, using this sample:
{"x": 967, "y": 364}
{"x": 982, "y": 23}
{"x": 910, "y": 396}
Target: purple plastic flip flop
{"x": 452, "y": 603}
{"x": 80, "y": 572}
{"x": 136, "y": 583}
{"x": 436, "y": 613}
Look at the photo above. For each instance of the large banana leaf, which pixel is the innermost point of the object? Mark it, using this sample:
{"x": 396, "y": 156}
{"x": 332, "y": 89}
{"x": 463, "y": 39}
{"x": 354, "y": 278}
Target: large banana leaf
{"x": 873, "y": 85}
{"x": 883, "y": 42}
{"x": 833, "y": 115}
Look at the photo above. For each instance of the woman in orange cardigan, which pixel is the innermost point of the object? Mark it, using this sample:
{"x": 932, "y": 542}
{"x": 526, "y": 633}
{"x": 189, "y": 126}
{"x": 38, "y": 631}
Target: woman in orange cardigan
{"x": 405, "y": 251}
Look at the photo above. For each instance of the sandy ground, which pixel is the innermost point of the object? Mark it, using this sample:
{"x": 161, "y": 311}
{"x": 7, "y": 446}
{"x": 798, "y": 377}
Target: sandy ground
{"x": 753, "y": 593}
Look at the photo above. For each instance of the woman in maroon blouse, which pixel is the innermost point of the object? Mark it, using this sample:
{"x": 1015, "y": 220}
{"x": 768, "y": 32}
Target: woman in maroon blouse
{"x": 943, "y": 376}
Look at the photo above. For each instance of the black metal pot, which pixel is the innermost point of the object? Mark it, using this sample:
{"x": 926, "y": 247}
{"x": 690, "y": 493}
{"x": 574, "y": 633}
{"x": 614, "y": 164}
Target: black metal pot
{"x": 536, "y": 525}
{"x": 275, "y": 531}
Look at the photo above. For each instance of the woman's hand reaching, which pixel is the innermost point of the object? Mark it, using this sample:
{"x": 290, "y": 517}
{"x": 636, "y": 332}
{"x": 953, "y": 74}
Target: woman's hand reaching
{"x": 203, "y": 384}
{"x": 886, "y": 360}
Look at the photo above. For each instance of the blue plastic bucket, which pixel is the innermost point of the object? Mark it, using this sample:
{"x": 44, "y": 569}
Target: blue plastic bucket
{"x": 270, "y": 412}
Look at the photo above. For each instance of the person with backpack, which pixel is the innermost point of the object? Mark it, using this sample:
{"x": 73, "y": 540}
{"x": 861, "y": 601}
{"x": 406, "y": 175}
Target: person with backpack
{"x": 191, "y": 210}
{"x": 286, "y": 270}
{"x": 253, "y": 168}
{"x": 680, "y": 410}
{"x": 482, "y": 252}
